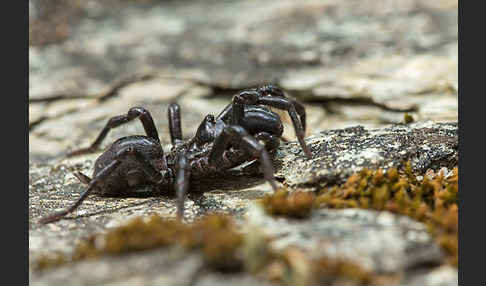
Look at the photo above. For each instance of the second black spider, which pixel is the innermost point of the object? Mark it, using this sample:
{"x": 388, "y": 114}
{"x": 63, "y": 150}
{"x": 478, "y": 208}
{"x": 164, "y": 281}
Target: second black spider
{"x": 221, "y": 143}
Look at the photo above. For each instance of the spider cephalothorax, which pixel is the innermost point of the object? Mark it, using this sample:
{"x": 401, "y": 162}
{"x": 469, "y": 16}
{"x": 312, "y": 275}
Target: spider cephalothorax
{"x": 221, "y": 143}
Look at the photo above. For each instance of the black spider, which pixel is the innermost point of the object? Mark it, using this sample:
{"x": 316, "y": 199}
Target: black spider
{"x": 220, "y": 143}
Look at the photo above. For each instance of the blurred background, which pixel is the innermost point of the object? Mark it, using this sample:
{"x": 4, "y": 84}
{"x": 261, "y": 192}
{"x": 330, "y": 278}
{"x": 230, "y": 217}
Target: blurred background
{"x": 350, "y": 62}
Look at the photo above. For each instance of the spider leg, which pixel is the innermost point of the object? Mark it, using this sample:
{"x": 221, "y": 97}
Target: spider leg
{"x": 134, "y": 112}
{"x": 121, "y": 156}
{"x": 235, "y": 135}
{"x": 271, "y": 96}
{"x": 82, "y": 178}
{"x": 252, "y": 97}
{"x": 103, "y": 174}
{"x": 300, "y": 110}
{"x": 175, "y": 123}
{"x": 272, "y": 90}
{"x": 268, "y": 90}
{"x": 271, "y": 141}
{"x": 182, "y": 183}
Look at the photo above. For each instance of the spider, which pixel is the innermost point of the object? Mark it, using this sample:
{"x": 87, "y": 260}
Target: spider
{"x": 221, "y": 143}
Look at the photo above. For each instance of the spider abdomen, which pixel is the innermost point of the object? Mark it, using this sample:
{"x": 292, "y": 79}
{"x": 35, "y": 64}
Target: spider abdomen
{"x": 254, "y": 118}
{"x": 129, "y": 174}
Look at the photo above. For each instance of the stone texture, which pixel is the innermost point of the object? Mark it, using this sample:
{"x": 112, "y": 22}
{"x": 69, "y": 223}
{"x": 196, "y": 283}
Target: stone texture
{"x": 159, "y": 267}
{"x": 441, "y": 276}
{"x": 351, "y": 63}
{"x": 356, "y": 234}
{"x": 380, "y": 242}
{"x": 336, "y": 155}
{"x": 340, "y": 153}
{"x": 237, "y": 43}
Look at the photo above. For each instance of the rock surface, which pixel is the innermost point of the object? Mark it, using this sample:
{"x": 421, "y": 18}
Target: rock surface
{"x": 356, "y": 234}
{"x": 158, "y": 267}
{"x": 357, "y": 66}
{"x": 350, "y": 62}
{"x": 340, "y": 153}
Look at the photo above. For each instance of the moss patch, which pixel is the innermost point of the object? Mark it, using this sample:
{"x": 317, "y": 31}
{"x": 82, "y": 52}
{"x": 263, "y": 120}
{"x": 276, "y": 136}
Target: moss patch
{"x": 407, "y": 118}
{"x": 329, "y": 271}
{"x": 432, "y": 200}
{"x": 283, "y": 203}
{"x": 223, "y": 248}
{"x": 215, "y": 235}
{"x": 293, "y": 267}
{"x": 51, "y": 261}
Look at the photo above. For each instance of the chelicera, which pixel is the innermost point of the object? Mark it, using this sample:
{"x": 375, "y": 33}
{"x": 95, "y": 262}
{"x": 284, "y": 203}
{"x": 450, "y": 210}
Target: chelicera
{"x": 223, "y": 142}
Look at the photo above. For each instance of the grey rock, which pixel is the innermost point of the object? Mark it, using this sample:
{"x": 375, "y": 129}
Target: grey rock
{"x": 340, "y": 153}
{"x": 350, "y": 62}
{"x": 440, "y": 276}
{"x": 53, "y": 187}
{"x": 355, "y": 234}
{"x": 68, "y": 124}
{"x": 230, "y": 44}
{"x": 332, "y": 50}
{"x": 217, "y": 279}
{"x": 381, "y": 242}
{"x": 336, "y": 155}
{"x": 157, "y": 267}
{"x": 170, "y": 266}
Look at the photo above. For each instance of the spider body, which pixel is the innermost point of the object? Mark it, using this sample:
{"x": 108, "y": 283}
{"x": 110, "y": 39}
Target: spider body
{"x": 243, "y": 131}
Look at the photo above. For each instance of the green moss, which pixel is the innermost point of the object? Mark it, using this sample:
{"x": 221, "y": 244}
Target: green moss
{"x": 408, "y": 118}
